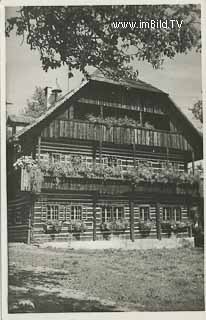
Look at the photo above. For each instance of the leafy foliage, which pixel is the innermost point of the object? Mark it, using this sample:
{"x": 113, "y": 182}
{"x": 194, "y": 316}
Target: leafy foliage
{"x": 78, "y": 226}
{"x": 143, "y": 172}
{"x": 52, "y": 226}
{"x": 145, "y": 227}
{"x": 82, "y": 36}
{"x": 37, "y": 105}
{"x": 121, "y": 122}
{"x": 197, "y": 110}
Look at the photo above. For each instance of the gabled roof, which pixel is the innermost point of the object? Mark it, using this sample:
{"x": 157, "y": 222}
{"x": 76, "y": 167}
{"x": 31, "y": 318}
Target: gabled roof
{"x": 137, "y": 84}
{"x": 99, "y": 77}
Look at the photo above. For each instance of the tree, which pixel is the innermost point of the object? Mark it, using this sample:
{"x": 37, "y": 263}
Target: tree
{"x": 82, "y": 36}
{"x": 37, "y": 105}
{"x": 197, "y": 110}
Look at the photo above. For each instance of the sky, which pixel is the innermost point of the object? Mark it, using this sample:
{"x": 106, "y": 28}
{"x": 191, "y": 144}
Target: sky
{"x": 179, "y": 77}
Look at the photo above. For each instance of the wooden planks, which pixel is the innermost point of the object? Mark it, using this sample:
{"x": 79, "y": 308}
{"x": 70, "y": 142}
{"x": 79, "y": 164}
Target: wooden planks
{"x": 81, "y": 130}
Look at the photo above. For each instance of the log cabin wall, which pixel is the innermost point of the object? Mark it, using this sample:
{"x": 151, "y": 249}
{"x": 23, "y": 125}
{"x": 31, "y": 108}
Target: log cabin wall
{"x": 59, "y": 149}
{"x": 19, "y": 216}
{"x": 65, "y": 201}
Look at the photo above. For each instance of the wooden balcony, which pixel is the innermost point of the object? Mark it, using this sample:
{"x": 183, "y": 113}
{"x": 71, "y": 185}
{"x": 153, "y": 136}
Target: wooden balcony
{"x": 83, "y": 130}
{"x": 112, "y": 186}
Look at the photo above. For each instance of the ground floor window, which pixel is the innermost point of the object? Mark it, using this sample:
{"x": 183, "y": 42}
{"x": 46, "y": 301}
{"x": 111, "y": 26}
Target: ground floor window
{"x": 144, "y": 213}
{"x": 52, "y": 212}
{"x": 172, "y": 213}
{"x": 76, "y": 212}
{"x": 110, "y": 213}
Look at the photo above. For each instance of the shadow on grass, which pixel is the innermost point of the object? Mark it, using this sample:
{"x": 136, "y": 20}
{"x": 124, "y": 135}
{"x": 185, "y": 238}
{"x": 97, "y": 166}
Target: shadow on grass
{"x": 27, "y": 288}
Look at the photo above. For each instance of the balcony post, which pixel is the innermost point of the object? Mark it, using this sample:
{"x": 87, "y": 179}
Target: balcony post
{"x": 158, "y": 222}
{"x": 94, "y": 217}
{"x": 100, "y": 144}
{"x": 134, "y": 148}
{"x": 39, "y": 148}
{"x": 131, "y": 204}
{"x": 193, "y": 162}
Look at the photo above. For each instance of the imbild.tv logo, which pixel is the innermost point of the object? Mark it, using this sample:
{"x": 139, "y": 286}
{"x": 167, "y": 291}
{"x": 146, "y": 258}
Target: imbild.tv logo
{"x": 151, "y": 24}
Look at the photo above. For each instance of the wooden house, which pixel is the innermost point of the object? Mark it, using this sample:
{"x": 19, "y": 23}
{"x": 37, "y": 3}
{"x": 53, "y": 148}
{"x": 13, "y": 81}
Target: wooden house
{"x": 107, "y": 160}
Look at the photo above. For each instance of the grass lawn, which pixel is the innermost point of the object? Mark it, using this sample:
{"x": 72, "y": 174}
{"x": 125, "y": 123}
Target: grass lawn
{"x": 56, "y": 280}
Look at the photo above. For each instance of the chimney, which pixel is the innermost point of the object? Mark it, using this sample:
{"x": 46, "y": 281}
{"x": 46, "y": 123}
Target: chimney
{"x": 56, "y": 91}
{"x": 48, "y": 93}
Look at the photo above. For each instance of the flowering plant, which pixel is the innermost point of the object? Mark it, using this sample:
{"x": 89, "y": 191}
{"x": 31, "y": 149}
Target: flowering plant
{"x": 166, "y": 226}
{"x": 112, "y": 121}
{"x": 106, "y": 226}
{"x": 25, "y": 162}
{"x": 52, "y": 226}
{"x": 120, "y": 225}
{"x": 78, "y": 226}
{"x": 179, "y": 226}
{"x": 145, "y": 227}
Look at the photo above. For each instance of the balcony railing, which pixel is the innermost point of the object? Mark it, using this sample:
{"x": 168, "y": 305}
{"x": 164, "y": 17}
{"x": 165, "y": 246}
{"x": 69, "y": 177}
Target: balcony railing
{"x": 82, "y": 130}
{"x": 115, "y": 183}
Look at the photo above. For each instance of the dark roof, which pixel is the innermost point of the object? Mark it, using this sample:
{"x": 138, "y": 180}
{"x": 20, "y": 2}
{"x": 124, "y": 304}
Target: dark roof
{"x": 137, "y": 84}
{"x": 23, "y": 119}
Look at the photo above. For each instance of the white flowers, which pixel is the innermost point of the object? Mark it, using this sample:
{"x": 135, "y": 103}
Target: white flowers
{"x": 25, "y": 162}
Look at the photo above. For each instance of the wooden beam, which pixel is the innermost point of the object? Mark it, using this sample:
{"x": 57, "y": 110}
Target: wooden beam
{"x": 94, "y": 153}
{"x": 193, "y": 162}
{"x": 100, "y": 144}
{"x": 158, "y": 222}
{"x": 167, "y": 151}
{"x": 39, "y": 148}
{"x": 140, "y": 118}
{"x": 131, "y": 204}
{"x": 94, "y": 217}
{"x": 134, "y": 149}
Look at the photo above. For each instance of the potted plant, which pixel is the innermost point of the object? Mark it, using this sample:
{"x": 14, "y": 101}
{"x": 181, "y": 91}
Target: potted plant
{"x": 52, "y": 226}
{"x": 145, "y": 227}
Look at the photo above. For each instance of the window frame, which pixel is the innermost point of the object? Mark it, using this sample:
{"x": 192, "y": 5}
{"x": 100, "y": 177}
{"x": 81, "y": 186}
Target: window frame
{"x": 76, "y": 215}
{"x": 173, "y": 213}
{"x": 142, "y": 215}
{"x": 54, "y": 213}
{"x": 114, "y": 213}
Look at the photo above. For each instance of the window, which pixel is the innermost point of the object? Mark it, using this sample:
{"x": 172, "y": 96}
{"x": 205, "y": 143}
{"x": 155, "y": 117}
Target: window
{"x": 166, "y": 213}
{"x": 110, "y": 213}
{"x": 52, "y": 212}
{"x": 172, "y": 213}
{"x": 176, "y": 214}
{"x": 76, "y": 212}
{"x": 144, "y": 213}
